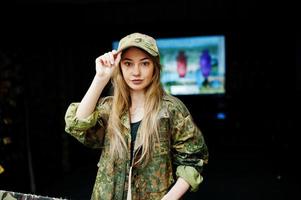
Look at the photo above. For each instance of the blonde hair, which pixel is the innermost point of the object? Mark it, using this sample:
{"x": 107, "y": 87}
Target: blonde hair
{"x": 149, "y": 124}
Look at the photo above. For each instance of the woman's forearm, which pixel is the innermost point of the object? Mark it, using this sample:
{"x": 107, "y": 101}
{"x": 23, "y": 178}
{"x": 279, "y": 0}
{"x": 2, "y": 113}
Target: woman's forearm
{"x": 104, "y": 66}
{"x": 178, "y": 190}
{"x": 89, "y": 101}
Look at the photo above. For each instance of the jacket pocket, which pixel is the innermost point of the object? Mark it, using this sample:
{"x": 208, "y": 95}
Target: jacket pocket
{"x": 156, "y": 177}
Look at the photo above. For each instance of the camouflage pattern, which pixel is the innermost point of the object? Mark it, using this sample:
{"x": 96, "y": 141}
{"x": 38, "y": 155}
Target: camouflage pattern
{"x": 9, "y": 195}
{"x": 140, "y": 40}
{"x": 181, "y": 152}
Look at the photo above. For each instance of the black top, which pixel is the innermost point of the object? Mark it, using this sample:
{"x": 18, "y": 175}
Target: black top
{"x": 134, "y": 129}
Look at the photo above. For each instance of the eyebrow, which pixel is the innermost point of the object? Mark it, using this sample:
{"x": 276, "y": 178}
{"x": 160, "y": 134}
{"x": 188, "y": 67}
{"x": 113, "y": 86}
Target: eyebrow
{"x": 142, "y": 59}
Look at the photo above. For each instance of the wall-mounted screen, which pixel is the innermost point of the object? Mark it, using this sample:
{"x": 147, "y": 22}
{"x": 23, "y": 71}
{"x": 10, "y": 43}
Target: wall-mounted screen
{"x": 192, "y": 65}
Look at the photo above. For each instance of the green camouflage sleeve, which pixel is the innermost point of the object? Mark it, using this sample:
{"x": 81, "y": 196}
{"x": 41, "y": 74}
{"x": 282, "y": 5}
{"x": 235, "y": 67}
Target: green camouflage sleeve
{"x": 89, "y": 131}
{"x": 189, "y": 148}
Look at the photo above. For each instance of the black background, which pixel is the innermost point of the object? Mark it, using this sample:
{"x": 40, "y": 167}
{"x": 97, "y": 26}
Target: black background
{"x": 48, "y": 50}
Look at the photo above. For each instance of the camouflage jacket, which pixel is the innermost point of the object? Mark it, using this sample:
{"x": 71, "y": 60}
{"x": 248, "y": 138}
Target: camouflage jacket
{"x": 181, "y": 152}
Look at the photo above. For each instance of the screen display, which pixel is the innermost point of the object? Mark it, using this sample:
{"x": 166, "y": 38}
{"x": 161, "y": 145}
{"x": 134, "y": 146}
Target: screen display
{"x": 192, "y": 65}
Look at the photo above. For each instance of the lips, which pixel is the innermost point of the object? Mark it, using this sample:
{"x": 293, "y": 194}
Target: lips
{"x": 137, "y": 81}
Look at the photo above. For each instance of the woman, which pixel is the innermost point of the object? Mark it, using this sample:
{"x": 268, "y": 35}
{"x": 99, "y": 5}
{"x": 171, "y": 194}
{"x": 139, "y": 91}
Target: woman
{"x": 151, "y": 148}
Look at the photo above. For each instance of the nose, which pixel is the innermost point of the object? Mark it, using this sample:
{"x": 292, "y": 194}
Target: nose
{"x": 136, "y": 70}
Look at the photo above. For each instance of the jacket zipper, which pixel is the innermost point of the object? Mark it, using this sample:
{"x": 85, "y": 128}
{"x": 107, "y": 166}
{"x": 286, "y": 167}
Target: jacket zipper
{"x": 129, "y": 193}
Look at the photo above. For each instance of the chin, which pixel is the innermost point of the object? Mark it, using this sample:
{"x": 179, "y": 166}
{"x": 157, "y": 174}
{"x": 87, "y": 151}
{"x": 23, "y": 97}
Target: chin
{"x": 137, "y": 88}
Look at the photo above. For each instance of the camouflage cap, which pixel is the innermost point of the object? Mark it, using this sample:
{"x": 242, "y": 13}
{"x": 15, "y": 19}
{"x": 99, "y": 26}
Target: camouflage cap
{"x": 139, "y": 40}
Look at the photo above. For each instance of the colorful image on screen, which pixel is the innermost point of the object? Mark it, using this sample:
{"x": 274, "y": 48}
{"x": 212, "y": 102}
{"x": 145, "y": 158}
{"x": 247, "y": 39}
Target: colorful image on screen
{"x": 192, "y": 65}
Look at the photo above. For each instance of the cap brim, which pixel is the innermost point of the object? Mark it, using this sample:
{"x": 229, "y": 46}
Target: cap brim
{"x": 145, "y": 49}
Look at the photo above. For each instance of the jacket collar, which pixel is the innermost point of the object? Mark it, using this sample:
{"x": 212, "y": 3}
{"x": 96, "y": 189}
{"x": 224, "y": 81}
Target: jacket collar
{"x": 125, "y": 120}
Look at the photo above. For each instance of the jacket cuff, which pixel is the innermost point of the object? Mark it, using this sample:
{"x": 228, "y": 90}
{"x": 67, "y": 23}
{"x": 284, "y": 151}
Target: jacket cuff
{"x": 190, "y": 175}
{"x": 79, "y": 124}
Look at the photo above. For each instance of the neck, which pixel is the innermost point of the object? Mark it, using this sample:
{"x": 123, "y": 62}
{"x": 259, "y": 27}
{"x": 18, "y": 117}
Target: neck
{"x": 137, "y": 99}
{"x": 137, "y": 107}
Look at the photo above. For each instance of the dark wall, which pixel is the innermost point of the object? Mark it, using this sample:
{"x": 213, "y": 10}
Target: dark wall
{"x": 55, "y": 45}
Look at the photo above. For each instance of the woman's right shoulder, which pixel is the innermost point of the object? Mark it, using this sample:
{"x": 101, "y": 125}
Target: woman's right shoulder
{"x": 105, "y": 102}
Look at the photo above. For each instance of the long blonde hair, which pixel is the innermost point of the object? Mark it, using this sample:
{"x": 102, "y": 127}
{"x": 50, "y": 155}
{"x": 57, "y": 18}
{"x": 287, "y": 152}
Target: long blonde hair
{"x": 149, "y": 124}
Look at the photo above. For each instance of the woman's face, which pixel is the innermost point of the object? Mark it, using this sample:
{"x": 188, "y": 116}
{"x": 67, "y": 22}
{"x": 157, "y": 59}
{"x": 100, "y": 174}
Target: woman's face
{"x": 137, "y": 68}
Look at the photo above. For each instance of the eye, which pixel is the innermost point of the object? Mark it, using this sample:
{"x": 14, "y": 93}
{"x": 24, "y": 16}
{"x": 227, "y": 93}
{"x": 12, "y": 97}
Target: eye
{"x": 127, "y": 63}
{"x": 145, "y": 63}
